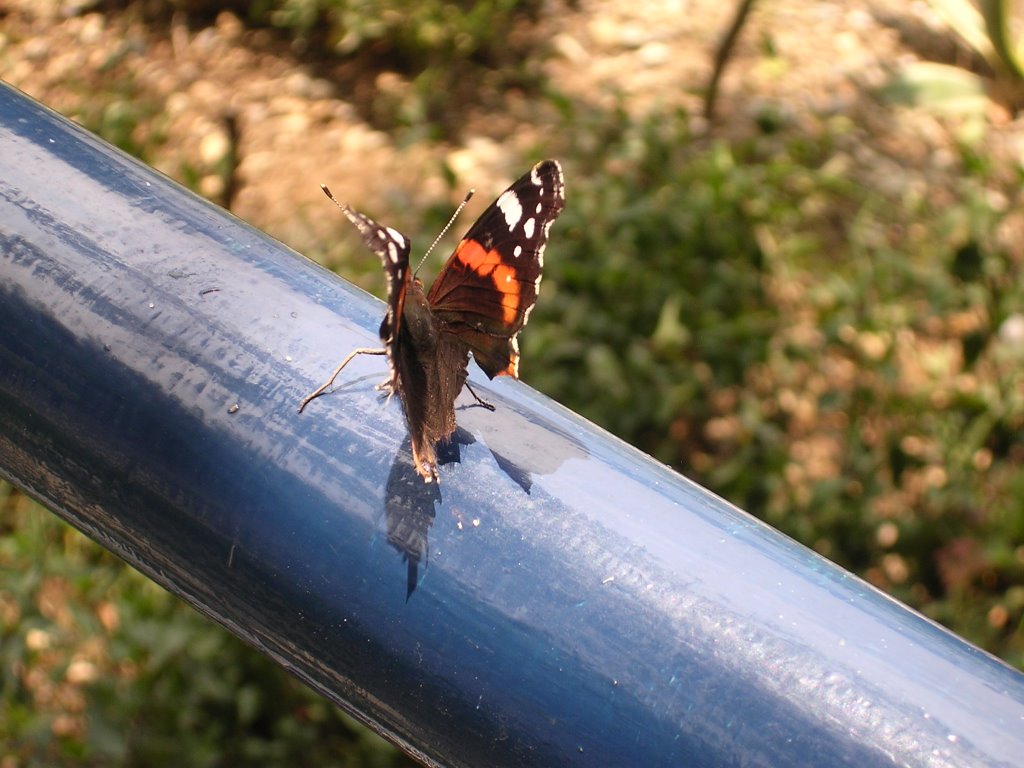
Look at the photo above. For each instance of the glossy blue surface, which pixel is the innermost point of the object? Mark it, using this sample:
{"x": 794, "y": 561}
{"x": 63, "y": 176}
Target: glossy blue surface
{"x": 576, "y": 604}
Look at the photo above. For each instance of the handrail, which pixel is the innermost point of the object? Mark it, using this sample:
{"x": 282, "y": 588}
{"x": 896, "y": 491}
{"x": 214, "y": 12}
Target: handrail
{"x": 575, "y": 602}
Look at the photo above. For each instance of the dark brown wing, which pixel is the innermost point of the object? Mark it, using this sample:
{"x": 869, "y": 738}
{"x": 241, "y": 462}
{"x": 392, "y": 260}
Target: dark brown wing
{"x": 393, "y": 249}
{"x": 486, "y": 290}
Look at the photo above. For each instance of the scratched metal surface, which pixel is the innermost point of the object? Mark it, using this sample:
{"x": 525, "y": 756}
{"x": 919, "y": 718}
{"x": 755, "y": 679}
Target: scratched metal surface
{"x": 575, "y": 603}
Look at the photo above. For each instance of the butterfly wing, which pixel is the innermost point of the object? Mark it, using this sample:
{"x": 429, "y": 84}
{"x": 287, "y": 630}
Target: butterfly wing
{"x": 392, "y": 247}
{"x": 488, "y": 286}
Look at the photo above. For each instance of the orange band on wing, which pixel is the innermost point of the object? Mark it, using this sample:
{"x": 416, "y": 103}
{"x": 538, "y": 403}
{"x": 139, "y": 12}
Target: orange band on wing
{"x": 488, "y": 264}
{"x": 504, "y": 278}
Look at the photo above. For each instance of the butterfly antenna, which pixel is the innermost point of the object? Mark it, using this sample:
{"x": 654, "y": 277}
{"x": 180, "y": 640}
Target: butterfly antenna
{"x": 446, "y": 228}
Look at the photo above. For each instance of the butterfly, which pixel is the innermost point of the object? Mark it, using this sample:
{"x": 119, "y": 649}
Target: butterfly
{"x": 478, "y": 304}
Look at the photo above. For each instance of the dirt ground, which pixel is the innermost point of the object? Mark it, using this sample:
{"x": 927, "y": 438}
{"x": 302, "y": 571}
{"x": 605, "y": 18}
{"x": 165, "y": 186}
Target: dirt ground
{"x": 806, "y": 59}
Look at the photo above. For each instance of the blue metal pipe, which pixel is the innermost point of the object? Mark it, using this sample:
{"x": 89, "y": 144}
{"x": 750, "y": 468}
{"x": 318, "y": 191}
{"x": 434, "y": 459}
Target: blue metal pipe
{"x": 577, "y": 603}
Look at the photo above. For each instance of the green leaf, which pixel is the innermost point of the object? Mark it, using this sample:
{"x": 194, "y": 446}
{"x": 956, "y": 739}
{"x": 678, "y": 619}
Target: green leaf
{"x": 964, "y": 19}
{"x": 938, "y": 87}
{"x": 997, "y": 23}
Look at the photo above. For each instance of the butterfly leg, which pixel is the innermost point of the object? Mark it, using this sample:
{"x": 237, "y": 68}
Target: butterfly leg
{"x": 320, "y": 390}
{"x": 479, "y": 400}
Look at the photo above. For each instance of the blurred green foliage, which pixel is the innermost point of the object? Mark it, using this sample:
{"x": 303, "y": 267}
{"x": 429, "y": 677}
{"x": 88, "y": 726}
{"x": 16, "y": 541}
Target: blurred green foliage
{"x": 988, "y": 70}
{"x": 419, "y": 33}
{"x": 834, "y": 350}
{"x": 450, "y": 52}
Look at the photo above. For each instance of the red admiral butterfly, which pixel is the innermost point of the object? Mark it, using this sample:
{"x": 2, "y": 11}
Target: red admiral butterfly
{"x": 479, "y": 302}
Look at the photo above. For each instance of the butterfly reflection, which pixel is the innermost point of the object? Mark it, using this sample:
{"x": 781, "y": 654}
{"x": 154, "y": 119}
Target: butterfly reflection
{"x": 409, "y": 504}
{"x": 527, "y": 449}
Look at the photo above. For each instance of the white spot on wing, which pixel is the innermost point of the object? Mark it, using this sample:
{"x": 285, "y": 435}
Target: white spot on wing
{"x": 515, "y": 357}
{"x": 518, "y": 251}
{"x": 396, "y": 236}
{"x": 529, "y": 226}
{"x": 392, "y": 253}
{"x": 538, "y": 208}
{"x": 510, "y": 206}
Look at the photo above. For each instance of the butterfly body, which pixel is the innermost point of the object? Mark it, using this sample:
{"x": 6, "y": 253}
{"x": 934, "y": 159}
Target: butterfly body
{"x": 479, "y": 302}
{"x": 432, "y": 367}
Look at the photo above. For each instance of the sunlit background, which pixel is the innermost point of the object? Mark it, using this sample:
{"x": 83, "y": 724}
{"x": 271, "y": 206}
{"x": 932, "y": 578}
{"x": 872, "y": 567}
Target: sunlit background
{"x": 790, "y": 267}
